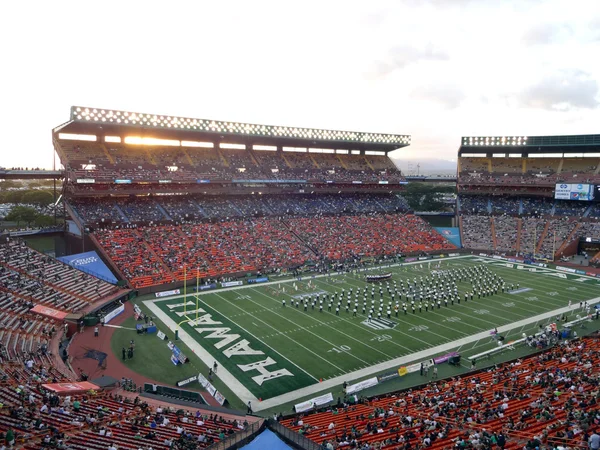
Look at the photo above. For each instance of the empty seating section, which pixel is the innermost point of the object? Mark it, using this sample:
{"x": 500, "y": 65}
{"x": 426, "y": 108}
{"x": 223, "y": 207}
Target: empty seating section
{"x": 42, "y": 279}
{"x": 93, "y": 210}
{"x": 182, "y": 208}
{"x": 536, "y": 206}
{"x": 473, "y": 204}
{"x": 219, "y": 208}
{"x": 528, "y": 171}
{"x": 478, "y": 165}
{"x": 238, "y": 158}
{"x": 29, "y": 278}
{"x": 107, "y": 162}
{"x": 541, "y": 401}
{"x": 579, "y": 165}
{"x": 84, "y": 153}
{"x": 299, "y": 160}
{"x": 594, "y": 211}
{"x": 570, "y": 208}
{"x": 358, "y": 162}
{"x": 505, "y": 205}
{"x": 186, "y": 208}
{"x": 141, "y": 209}
{"x": 542, "y": 165}
{"x": 380, "y": 162}
{"x": 507, "y": 165}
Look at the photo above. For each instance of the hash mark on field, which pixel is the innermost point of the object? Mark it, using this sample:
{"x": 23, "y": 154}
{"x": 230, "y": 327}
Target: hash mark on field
{"x": 254, "y": 324}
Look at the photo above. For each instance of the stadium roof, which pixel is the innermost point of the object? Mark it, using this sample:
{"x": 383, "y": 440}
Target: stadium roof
{"x": 530, "y": 144}
{"x": 86, "y": 119}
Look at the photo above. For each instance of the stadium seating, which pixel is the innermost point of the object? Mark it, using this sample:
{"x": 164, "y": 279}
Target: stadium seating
{"x": 110, "y": 161}
{"x": 477, "y": 232}
{"x": 27, "y": 279}
{"x": 348, "y": 237}
{"x": 96, "y": 420}
{"x": 506, "y": 233}
{"x": 157, "y": 254}
{"x": 536, "y": 402}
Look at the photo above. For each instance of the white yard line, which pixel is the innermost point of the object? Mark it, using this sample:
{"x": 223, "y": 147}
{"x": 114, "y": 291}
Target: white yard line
{"x": 232, "y": 382}
{"x": 403, "y": 360}
{"x": 281, "y": 333}
{"x": 245, "y": 395}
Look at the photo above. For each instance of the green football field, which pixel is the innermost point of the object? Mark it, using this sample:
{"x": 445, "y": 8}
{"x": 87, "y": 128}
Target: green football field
{"x": 270, "y": 349}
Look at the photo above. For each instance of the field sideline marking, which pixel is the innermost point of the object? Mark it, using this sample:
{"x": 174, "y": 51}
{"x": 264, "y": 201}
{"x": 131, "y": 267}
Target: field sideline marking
{"x": 232, "y": 382}
{"x": 395, "y": 363}
{"x": 310, "y": 277}
{"x": 240, "y": 390}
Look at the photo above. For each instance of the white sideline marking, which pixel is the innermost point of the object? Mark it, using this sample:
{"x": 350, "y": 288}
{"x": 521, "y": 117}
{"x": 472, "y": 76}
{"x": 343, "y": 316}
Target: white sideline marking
{"x": 245, "y": 395}
{"x": 403, "y": 360}
{"x": 232, "y": 382}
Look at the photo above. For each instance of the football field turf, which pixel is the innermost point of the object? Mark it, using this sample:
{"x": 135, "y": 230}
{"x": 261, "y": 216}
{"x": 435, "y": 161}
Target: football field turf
{"x": 270, "y": 349}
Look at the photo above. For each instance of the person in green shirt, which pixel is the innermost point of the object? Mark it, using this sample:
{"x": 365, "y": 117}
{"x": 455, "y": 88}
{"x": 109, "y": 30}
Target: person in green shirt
{"x": 76, "y": 405}
{"x": 10, "y": 437}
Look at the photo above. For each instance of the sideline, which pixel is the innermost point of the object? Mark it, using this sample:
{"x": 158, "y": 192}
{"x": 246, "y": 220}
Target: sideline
{"x": 245, "y": 395}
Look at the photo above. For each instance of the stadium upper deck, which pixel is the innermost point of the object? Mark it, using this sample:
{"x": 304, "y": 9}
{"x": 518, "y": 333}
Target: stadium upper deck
{"x": 118, "y": 147}
{"x": 534, "y": 164}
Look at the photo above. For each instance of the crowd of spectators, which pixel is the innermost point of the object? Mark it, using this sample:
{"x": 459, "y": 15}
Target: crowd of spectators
{"x": 523, "y": 224}
{"x": 34, "y": 417}
{"x": 155, "y": 254}
{"x": 92, "y": 161}
{"x": 548, "y": 400}
{"x": 506, "y": 228}
{"x": 186, "y": 208}
{"x": 476, "y": 204}
{"x": 132, "y": 256}
{"x": 357, "y": 236}
{"x": 476, "y": 232}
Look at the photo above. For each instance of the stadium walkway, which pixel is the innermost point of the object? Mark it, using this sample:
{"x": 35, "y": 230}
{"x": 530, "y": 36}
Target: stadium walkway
{"x": 113, "y": 367}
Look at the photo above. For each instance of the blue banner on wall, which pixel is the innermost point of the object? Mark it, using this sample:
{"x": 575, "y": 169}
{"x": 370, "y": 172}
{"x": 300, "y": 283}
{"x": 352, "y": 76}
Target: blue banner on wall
{"x": 451, "y": 233}
{"x": 90, "y": 263}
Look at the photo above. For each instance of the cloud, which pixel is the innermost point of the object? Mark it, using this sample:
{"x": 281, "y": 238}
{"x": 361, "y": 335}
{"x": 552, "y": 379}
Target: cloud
{"x": 563, "y": 91}
{"x": 401, "y": 56}
{"x": 546, "y": 33}
{"x": 594, "y": 29}
{"x": 448, "y": 96}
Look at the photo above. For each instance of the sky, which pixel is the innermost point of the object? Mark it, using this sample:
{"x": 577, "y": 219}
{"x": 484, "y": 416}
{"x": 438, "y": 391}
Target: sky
{"x": 434, "y": 69}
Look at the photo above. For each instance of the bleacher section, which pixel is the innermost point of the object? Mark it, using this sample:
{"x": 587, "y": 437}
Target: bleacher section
{"x": 286, "y": 233}
{"x": 540, "y": 402}
{"x": 527, "y": 171}
{"x": 27, "y": 279}
{"x": 105, "y": 163}
{"x": 38, "y": 418}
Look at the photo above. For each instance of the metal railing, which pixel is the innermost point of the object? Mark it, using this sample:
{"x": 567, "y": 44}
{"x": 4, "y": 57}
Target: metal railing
{"x": 240, "y": 436}
{"x": 243, "y": 437}
{"x": 293, "y": 436}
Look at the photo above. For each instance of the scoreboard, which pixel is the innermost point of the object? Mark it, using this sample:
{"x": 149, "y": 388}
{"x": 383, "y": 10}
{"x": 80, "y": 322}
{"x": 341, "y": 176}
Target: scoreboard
{"x": 577, "y": 191}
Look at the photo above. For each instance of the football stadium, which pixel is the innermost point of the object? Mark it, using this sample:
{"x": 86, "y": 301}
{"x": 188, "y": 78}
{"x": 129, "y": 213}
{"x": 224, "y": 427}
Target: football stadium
{"x": 220, "y": 284}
